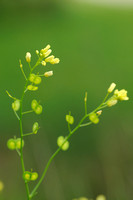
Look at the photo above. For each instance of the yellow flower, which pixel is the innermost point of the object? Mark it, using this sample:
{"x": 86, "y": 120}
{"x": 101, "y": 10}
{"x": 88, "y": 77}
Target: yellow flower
{"x": 121, "y": 95}
{"x": 112, "y": 87}
{"x": 55, "y": 61}
{"x": 48, "y": 59}
{"x": 111, "y": 102}
{"x": 28, "y": 57}
{"x": 48, "y": 74}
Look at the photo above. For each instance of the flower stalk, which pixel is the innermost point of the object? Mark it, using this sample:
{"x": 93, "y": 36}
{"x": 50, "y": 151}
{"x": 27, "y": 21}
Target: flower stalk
{"x": 32, "y": 82}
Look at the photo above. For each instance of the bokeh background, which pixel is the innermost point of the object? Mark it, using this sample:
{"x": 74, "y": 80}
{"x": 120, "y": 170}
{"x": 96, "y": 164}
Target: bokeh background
{"x": 95, "y": 46}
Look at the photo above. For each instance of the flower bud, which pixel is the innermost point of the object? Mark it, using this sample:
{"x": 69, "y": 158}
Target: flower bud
{"x": 11, "y": 144}
{"x": 111, "y": 88}
{"x": 16, "y": 105}
{"x": 93, "y": 118}
{"x": 70, "y": 119}
{"x": 18, "y": 143}
{"x": 28, "y": 57}
{"x": 48, "y": 59}
{"x": 48, "y": 74}
{"x": 111, "y": 102}
{"x": 55, "y": 61}
{"x": 35, "y": 127}
{"x": 37, "y": 52}
{"x": 34, "y": 176}
{"x": 45, "y": 49}
{"x": 32, "y": 88}
{"x": 99, "y": 112}
{"x": 47, "y": 53}
{"x": 43, "y": 63}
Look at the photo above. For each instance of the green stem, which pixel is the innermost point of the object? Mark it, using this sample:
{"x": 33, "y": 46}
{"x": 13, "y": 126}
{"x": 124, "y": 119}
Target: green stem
{"x": 23, "y": 73}
{"x": 26, "y": 112}
{"x": 28, "y": 134}
{"x": 53, "y": 156}
{"x": 87, "y": 124}
{"x": 16, "y": 115}
{"x": 102, "y": 105}
{"x": 21, "y": 133}
{"x": 21, "y": 130}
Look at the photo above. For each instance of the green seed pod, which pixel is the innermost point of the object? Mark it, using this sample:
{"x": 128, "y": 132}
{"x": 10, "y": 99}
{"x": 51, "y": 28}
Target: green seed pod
{"x": 11, "y": 144}
{"x": 34, "y": 104}
{"x": 16, "y": 105}
{"x": 94, "y": 118}
{"x": 35, "y": 127}
{"x": 70, "y": 119}
{"x": 32, "y": 77}
{"x": 32, "y": 88}
{"x": 18, "y": 143}
{"x": 60, "y": 141}
{"x": 65, "y": 146}
{"x": 27, "y": 176}
{"x": 38, "y": 110}
{"x": 37, "y": 80}
{"x": 34, "y": 176}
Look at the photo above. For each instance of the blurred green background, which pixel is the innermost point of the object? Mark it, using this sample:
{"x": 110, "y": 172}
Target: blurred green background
{"x": 95, "y": 46}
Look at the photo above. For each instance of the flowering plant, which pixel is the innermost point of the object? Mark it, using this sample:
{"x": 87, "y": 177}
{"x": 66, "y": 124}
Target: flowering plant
{"x": 32, "y": 82}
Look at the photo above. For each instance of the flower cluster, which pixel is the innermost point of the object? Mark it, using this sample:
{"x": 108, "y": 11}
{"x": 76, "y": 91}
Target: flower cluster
{"x": 119, "y": 95}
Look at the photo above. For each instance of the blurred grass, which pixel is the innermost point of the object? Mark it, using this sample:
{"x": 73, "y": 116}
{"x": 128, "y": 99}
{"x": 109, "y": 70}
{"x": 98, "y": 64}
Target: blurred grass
{"x": 95, "y": 48}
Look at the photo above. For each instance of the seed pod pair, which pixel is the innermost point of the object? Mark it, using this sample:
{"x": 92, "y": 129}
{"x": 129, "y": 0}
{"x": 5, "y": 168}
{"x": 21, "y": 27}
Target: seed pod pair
{"x": 36, "y": 107}
{"x": 13, "y": 144}
{"x": 30, "y": 176}
{"x": 60, "y": 142}
{"x": 16, "y": 105}
{"x": 35, "y": 79}
{"x": 94, "y": 118}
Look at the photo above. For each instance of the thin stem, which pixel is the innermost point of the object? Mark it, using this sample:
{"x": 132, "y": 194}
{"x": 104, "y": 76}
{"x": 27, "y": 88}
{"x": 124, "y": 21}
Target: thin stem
{"x": 58, "y": 150}
{"x": 16, "y": 114}
{"x": 23, "y": 73}
{"x": 10, "y": 95}
{"x": 87, "y": 124}
{"x": 29, "y": 65}
{"x": 18, "y": 152}
{"x": 69, "y": 128}
{"x": 21, "y": 129}
{"x": 53, "y": 156}
{"x": 26, "y": 112}
{"x": 21, "y": 149}
{"x": 28, "y": 134}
